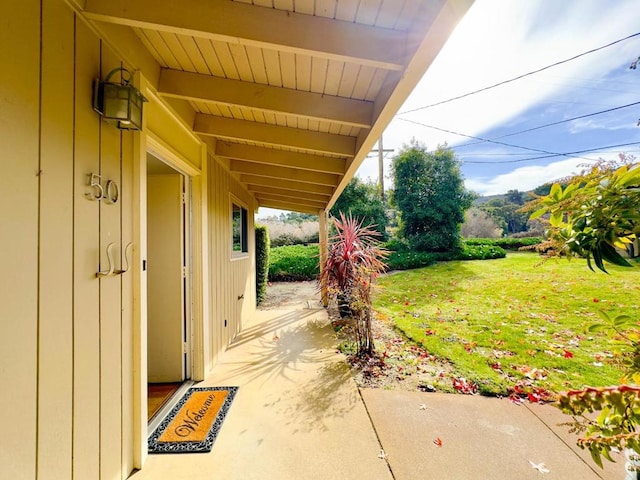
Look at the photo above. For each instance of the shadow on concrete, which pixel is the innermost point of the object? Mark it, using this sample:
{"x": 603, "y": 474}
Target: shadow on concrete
{"x": 320, "y": 402}
{"x": 292, "y": 358}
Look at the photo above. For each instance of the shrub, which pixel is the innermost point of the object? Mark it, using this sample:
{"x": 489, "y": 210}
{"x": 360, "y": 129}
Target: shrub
{"x": 294, "y": 263}
{"x": 262, "y": 262}
{"x": 397, "y": 245}
{"x": 480, "y": 252}
{"x": 406, "y": 260}
{"x": 508, "y": 243}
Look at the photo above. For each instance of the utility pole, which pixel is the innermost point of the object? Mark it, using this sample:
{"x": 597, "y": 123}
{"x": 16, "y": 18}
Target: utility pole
{"x": 381, "y": 154}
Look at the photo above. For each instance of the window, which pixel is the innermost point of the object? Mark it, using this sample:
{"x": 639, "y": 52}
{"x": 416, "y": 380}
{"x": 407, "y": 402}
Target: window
{"x": 239, "y": 229}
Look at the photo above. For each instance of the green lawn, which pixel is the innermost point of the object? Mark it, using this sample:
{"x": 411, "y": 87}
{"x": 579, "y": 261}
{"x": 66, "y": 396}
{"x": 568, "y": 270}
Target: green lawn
{"x": 512, "y": 321}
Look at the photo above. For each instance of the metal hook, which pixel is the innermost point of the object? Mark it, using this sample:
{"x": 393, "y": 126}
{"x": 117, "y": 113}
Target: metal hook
{"x": 109, "y": 272}
{"x": 126, "y": 260}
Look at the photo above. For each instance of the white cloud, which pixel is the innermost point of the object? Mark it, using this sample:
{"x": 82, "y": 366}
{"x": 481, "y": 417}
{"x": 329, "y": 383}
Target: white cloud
{"x": 525, "y": 178}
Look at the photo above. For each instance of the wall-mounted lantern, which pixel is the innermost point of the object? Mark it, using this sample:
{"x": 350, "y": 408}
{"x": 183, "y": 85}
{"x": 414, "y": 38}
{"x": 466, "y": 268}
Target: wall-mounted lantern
{"x": 119, "y": 103}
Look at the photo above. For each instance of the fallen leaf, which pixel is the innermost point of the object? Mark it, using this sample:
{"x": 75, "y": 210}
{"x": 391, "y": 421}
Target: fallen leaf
{"x": 541, "y": 467}
{"x": 462, "y": 385}
{"x": 568, "y": 354}
{"x": 438, "y": 442}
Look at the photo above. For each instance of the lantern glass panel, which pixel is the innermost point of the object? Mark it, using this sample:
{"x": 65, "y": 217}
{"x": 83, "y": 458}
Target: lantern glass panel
{"x": 116, "y": 102}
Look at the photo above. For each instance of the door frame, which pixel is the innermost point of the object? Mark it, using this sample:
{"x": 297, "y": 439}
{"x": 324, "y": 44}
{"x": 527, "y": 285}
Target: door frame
{"x": 146, "y": 141}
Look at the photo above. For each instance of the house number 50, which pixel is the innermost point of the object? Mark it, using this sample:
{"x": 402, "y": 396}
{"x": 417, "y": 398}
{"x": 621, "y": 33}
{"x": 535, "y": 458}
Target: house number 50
{"x": 110, "y": 192}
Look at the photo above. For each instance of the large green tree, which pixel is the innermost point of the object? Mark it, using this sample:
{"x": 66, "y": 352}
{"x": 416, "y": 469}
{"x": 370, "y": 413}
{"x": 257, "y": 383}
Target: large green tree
{"x": 430, "y": 195}
{"x": 361, "y": 200}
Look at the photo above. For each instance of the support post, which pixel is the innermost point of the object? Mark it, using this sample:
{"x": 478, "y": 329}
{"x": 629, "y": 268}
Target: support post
{"x": 381, "y": 167}
{"x": 324, "y": 245}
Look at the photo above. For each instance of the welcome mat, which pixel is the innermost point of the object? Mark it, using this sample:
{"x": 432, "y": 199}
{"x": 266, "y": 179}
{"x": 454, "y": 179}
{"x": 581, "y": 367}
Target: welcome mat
{"x": 193, "y": 424}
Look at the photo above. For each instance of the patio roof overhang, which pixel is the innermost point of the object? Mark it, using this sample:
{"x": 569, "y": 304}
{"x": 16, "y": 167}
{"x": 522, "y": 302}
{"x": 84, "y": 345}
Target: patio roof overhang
{"x": 296, "y": 93}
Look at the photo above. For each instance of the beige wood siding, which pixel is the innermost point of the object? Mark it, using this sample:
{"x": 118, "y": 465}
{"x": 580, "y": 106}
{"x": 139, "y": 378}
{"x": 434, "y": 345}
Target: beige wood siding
{"x": 231, "y": 277}
{"x": 19, "y": 211}
{"x": 66, "y": 336}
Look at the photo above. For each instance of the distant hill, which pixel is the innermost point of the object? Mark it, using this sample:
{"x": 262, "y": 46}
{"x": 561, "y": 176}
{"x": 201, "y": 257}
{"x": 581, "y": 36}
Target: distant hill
{"x": 482, "y": 200}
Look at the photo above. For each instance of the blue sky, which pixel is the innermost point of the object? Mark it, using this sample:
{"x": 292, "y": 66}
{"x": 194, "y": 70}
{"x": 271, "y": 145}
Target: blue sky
{"x": 498, "y": 40}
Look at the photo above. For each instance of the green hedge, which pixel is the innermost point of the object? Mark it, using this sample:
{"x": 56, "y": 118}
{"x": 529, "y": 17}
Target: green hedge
{"x": 262, "y": 262}
{"x": 507, "y": 243}
{"x": 294, "y": 263}
{"x": 298, "y": 262}
{"x": 479, "y": 252}
{"x": 406, "y": 260}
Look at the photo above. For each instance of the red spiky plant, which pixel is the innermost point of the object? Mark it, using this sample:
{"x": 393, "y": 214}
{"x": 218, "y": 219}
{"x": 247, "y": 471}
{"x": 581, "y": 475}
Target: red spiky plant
{"x": 354, "y": 260}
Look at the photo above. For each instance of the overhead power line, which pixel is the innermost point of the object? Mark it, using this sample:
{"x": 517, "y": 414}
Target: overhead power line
{"x": 552, "y": 124}
{"x": 519, "y": 77}
{"x": 566, "y": 154}
{"x": 486, "y": 139}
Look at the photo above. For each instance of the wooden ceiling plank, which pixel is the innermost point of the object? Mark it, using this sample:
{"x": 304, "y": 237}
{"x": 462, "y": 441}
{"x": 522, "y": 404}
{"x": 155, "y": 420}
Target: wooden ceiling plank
{"x": 149, "y": 46}
{"x": 193, "y": 86}
{"x": 168, "y": 59}
{"x": 272, "y": 65}
{"x": 241, "y": 62}
{"x": 274, "y": 135}
{"x": 389, "y": 13}
{"x": 175, "y": 46}
{"x": 288, "y": 193}
{"x": 326, "y": 8}
{"x": 283, "y": 5}
{"x": 262, "y": 27}
{"x": 348, "y": 81}
{"x": 294, "y": 174}
{"x": 368, "y": 11}
{"x": 361, "y": 87}
{"x": 193, "y": 52}
{"x": 285, "y": 184}
{"x": 226, "y": 59}
{"x": 305, "y": 8}
{"x": 318, "y": 74}
{"x": 409, "y": 12}
{"x": 288, "y": 69}
{"x": 283, "y": 158}
{"x": 347, "y": 11}
{"x": 209, "y": 54}
{"x": 333, "y": 77}
{"x": 303, "y": 73}
{"x": 258, "y": 69}
{"x": 297, "y": 201}
{"x": 376, "y": 85}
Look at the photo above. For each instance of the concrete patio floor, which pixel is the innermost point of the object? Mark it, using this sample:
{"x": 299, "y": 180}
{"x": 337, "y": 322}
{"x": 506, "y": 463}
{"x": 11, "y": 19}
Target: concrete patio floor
{"x": 298, "y": 414}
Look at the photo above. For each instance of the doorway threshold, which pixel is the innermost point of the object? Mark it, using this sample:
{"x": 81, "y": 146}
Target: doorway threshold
{"x": 168, "y": 405}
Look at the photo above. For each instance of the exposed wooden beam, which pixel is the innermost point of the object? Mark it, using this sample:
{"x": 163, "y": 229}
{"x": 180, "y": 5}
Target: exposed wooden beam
{"x": 259, "y": 189}
{"x": 296, "y": 201}
{"x": 288, "y": 206}
{"x": 271, "y": 171}
{"x": 305, "y": 161}
{"x": 313, "y": 106}
{"x": 261, "y": 27}
{"x": 285, "y": 184}
{"x": 274, "y": 135}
